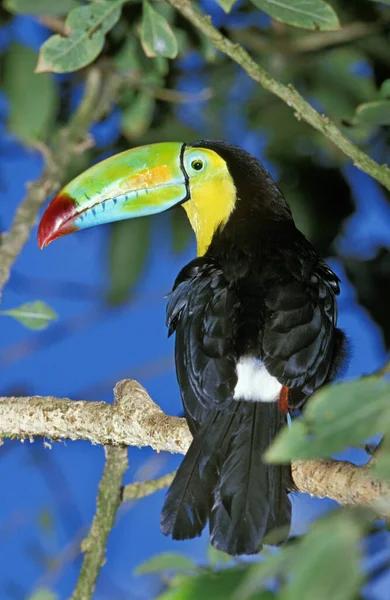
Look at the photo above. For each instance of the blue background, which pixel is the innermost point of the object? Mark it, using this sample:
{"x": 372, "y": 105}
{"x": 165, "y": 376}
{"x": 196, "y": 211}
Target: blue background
{"x": 48, "y": 495}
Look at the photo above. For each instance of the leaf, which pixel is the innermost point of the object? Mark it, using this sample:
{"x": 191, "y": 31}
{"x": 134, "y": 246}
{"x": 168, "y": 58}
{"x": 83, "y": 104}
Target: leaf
{"x": 157, "y": 37}
{"x": 336, "y": 87}
{"x": 217, "y": 557}
{"x": 86, "y": 27}
{"x": 227, "y": 5}
{"x": 31, "y": 120}
{"x": 43, "y": 594}
{"x": 384, "y": 92}
{"x": 128, "y": 251}
{"x": 337, "y": 416}
{"x": 381, "y": 460}
{"x": 323, "y": 551}
{"x": 373, "y": 113}
{"x": 33, "y": 315}
{"x": 309, "y": 14}
{"x": 211, "y": 585}
{"x": 381, "y": 467}
{"x": 260, "y": 573}
{"x": 41, "y": 7}
{"x": 166, "y": 562}
{"x": 181, "y": 230}
{"x": 138, "y": 115}
{"x": 126, "y": 59}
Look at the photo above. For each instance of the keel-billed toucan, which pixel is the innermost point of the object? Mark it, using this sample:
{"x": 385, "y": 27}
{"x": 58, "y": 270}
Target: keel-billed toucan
{"x": 255, "y": 317}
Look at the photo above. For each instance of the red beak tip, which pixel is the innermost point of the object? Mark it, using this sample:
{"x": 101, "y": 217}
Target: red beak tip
{"x": 57, "y": 220}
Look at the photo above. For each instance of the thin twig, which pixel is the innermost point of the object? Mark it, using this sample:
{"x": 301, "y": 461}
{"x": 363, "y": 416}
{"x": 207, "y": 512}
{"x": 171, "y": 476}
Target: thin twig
{"x": 59, "y": 562}
{"x": 108, "y": 502}
{"x": 311, "y": 42}
{"x": 135, "y": 79}
{"x": 141, "y": 489}
{"x": 303, "y": 110}
{"x": 56, "y": 24}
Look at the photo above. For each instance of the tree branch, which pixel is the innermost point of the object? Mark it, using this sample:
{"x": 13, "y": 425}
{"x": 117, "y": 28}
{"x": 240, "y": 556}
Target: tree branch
{"x": 57, "y": 162}
{"x": 141, "y": 489}
{"x": 108, "y": 502}
{"x": 287, "y": 93}
{"x": 135, "y": 420}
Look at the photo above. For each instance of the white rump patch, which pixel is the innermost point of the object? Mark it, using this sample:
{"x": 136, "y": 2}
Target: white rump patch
{"x": 254, "y": 383}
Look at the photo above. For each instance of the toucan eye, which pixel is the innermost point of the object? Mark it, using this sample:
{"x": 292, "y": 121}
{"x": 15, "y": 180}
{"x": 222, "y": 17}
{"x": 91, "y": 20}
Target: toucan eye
{"x": 197, "y": 164}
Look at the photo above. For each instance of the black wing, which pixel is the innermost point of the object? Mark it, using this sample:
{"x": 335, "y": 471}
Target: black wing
{"x": 301, "y": 345}
{"x": 201, "y": 311}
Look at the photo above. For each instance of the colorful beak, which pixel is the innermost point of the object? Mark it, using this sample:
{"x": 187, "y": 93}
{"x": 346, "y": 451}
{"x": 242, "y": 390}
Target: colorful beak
{"x": 139, "y": 182}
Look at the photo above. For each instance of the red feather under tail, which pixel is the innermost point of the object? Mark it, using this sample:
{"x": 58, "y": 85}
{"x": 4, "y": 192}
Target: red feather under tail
{"x": 283, "y": 400}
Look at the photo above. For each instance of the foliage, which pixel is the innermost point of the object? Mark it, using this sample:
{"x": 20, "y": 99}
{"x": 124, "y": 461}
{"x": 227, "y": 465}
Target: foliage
{"x": 337, "y": 416}
{"x": 43, "y": 594}
{"x": 162, "y": 80}
{"x": 34, "y": 315}
{"x": 285, "y": 574}
{"x": 314, "y": 14}
{"x": 33, "y": 120}
{"x": 86, "y": 28}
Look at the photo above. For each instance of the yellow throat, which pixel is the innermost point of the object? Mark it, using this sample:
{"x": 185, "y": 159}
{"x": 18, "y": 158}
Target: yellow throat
{"x": 212, "y": 201}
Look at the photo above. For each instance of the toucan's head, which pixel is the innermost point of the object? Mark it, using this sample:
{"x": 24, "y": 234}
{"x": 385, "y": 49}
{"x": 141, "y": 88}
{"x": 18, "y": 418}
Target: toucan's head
{"x": 208, "y": 178}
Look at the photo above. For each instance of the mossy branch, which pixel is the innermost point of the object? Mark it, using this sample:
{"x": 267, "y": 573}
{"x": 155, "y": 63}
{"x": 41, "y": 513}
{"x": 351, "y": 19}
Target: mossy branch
{"x": 108, "y": 501}
{"x": 135, "y": 420}
{"x": 303, "y": 110}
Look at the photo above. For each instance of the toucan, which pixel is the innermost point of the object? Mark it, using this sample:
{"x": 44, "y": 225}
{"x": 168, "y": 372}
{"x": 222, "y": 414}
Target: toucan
{"x": 255, "y": 317}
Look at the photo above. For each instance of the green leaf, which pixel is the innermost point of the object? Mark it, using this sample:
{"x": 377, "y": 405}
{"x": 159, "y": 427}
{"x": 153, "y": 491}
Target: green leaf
{"x": 373, "y": 113}
{"x": 337, "y": 416}
{"x": 381, "y": 467}
{"x": 126, "y": 59}
{"x": 274, "y": 565}
{"x": 227, "y": 5}
{"x": 166, "y": 562}
{"x": 157, "y": 37}
{"x": 128, "y": 251}
{"x": 86, "y": 27}
{"x": 381, "y": 459}
{"x": 216, "y": 557}
{"x": 384, "y": 92}
{"x": 43, "y": 594}
{"x": 138, "y": 115}
{"x": 219, "y": 585}
{"x": 41, "y": 7}
{"x": 309, "y": 14}
{"x": 336, "y": 87}
{"x": 31, "y": 120}
{"x": 33, "y": 315}
{"x": 181, "y": 230}
{"x": 323, "y": 552}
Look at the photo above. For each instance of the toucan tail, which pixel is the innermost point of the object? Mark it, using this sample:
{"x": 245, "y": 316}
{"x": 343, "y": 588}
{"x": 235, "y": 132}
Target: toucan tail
{"x": 223, "y": 478}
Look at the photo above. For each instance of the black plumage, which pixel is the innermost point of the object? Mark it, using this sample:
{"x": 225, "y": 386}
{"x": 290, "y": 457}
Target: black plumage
{"x": 260, "y": 290}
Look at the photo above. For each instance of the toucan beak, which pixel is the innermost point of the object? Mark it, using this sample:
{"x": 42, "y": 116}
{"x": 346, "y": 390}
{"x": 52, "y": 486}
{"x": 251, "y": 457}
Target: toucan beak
{"x": 135, "y": 183}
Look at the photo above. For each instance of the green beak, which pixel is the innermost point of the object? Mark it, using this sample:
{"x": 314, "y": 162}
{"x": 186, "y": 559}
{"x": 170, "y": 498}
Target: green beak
{"x": 139, "y": 182}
